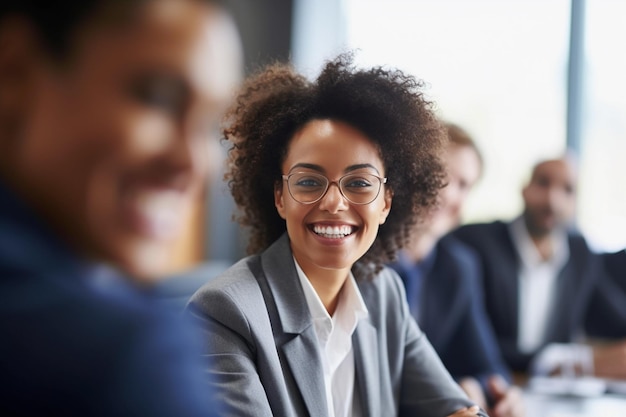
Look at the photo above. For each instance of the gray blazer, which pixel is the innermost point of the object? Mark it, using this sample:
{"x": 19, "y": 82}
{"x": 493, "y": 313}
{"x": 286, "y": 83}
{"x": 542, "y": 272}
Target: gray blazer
{"x": 264, "y": 353}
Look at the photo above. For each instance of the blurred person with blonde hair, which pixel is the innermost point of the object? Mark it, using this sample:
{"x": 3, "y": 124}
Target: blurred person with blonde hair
{"x": 442, "y": 277}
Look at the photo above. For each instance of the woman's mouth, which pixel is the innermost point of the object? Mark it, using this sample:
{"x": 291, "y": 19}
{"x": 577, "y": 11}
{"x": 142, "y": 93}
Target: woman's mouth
{"x": 156, "y": 214}
{"x": 333, "y": 232}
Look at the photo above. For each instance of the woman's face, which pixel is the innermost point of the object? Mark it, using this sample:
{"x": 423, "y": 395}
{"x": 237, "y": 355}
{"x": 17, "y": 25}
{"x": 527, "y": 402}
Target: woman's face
{"x": 118, "y": 142}
{"x": 334, "y": 149}
{"x": 463, "y": 170}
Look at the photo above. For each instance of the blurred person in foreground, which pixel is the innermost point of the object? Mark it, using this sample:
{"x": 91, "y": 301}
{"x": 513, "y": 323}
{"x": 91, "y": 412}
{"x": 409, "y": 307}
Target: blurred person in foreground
{"x": 540, "y": 276}
{"x": 313, "y": 324}
{"x": 106, "y": 114}
{"x": 443, "y": 281}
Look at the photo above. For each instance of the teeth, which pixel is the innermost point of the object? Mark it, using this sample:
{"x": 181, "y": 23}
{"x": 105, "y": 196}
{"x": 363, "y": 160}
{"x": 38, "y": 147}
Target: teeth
{"x": 164, "y": 202}
{"x": 163, "y": 211}
{"x": 333, "y": 231}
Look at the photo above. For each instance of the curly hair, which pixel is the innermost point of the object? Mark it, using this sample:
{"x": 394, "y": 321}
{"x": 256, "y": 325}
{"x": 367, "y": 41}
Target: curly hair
{"x": 386, "y": 105}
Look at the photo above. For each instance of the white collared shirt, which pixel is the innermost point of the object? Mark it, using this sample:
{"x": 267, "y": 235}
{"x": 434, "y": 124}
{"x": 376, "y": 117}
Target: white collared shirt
{"x": 537, "y": 284}
{"x": 334, "y": 337}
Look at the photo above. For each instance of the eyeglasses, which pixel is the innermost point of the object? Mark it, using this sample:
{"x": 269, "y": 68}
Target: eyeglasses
{"x": 310, "y": 187}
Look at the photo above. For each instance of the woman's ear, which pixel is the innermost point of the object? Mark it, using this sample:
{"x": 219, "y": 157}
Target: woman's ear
{"x": 388, "y": 197}
{"x": 279, "y": 200}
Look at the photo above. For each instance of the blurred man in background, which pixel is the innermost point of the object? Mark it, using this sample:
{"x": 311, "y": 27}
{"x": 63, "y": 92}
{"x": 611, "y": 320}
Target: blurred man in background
{"x": 539, "y": 276}
{"x": 106, "y": 111}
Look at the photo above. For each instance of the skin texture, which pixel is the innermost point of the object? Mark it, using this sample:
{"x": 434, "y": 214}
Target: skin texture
{"x": 112, "y": 146}
{"x": 334, "y": 149}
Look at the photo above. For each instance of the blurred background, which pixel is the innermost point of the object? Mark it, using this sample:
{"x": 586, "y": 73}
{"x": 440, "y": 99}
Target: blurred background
{"x": 526, "y": 78}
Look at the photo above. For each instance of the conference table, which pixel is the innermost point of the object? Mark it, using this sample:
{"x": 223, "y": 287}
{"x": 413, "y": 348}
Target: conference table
{"x": 579, "y": 399}
{"x": 546, "y": 405}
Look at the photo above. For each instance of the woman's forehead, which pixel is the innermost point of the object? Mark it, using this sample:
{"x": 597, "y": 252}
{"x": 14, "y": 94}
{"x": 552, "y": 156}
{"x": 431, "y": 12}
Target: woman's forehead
{"x": 333, "y": 145}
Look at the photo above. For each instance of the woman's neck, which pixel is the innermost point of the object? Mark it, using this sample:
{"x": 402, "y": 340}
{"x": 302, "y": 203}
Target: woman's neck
{"x": 328, "y": 284}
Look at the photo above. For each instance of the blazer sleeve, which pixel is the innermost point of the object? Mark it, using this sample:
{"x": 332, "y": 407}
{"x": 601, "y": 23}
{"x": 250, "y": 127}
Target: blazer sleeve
{"x": 229, "y": 352}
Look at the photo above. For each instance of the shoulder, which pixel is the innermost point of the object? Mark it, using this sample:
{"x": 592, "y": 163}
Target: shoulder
{"x": 451, "y": 247}
{"x": 82, "y": 322}
{"x": 383, "y": 290}
{"x": 102, "y": 343}
{"x": 581, "y": 255}
{"x": 457, "y": 258}
{"x": 480, "y": 228}
{"x": 577, "y": 241}
{"x": 615, "y": 263}
{"x": 481, "y": 235}
{"x": 235, "y": 286}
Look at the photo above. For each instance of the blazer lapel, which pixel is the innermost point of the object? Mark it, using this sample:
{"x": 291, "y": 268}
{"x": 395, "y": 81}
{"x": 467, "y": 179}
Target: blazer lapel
{"x": 299, "y": 342}
{"x": 306, "y": 367}
{"x": 365, "y": 345}
{"x": 570, "y": 303}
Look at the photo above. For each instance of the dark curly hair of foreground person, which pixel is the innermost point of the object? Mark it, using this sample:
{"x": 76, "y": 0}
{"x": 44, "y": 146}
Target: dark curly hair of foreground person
{"x": 387, "y": 105}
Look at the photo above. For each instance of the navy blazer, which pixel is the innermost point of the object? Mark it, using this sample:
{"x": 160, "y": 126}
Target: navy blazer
{"x": 501, "y": 262}
{"x": 607, "y": 312}
{"x": 265, "y": 355}
{"x": 71, "y": 345}
{"x": 452, "y": 314}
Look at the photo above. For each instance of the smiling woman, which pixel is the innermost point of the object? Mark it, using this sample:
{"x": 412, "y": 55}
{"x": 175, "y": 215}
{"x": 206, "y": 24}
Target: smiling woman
{"x": 106, "y": 109}
{"x": 113, "y": 150}
{"x": 329, "y": 176}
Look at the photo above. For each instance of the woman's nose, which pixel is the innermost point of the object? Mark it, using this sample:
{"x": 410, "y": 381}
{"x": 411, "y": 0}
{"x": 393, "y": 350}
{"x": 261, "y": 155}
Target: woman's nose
{"x": 333, "y": 201}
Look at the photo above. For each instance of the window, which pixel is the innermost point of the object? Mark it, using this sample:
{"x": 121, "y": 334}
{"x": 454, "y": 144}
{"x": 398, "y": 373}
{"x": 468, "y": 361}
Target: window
{"x": 498, "y": 69}
{"x": 602, "y": 196}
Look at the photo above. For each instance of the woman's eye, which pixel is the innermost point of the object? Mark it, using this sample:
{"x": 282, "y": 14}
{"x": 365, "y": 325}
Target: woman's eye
{"x": 308, "y": 182}
{"x": 358, "y": 183}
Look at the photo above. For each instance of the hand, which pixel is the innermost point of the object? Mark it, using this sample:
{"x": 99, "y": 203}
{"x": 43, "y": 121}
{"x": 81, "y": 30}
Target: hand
{"x": 508, "y": 401}
{"x": 609, "y": 360}
{"x": 474, "y": 391}
{"x": 466, "y": 412}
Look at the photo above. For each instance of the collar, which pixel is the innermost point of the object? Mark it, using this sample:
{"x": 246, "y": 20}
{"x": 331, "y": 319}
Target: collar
{"x": 528, "y": 253}
{"x": 350, "y": 308}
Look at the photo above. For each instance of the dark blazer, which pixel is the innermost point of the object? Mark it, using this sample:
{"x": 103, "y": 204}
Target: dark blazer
{"x": 261, "y": 338}
{"x": 71, "y": 345}
{"x": 501, "y": 262}
{"x": 452, "y": 312}
{"x": 607, "y": 312}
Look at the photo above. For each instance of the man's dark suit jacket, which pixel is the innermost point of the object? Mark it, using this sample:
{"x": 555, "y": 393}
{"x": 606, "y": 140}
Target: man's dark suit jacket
{"x": 607, "y": 312}
{"x": 500, "y": 262}
{"x": 72, "y": 346}
{"x": 451, "y": 311}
